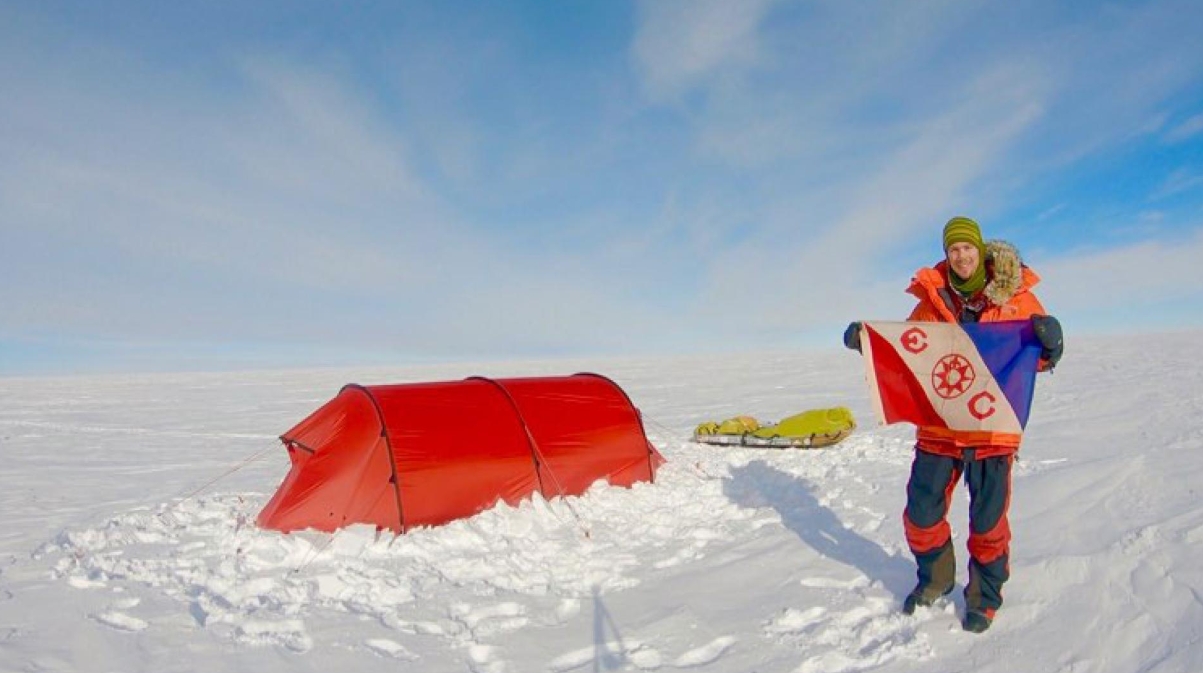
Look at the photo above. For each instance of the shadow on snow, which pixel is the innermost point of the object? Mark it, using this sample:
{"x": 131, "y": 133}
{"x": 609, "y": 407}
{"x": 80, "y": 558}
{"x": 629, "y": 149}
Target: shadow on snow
{"x": 759, "y": 484}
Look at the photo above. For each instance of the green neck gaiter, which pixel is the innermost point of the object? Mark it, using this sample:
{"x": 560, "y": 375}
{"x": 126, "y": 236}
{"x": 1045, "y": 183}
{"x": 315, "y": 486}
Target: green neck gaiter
{"x": 972, "y": 286}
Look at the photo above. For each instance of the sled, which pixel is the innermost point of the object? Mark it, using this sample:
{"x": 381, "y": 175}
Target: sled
{"x": 814, "y": 429}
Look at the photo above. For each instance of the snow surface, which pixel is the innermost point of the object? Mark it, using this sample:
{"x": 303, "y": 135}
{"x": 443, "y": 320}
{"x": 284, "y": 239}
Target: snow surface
{"x": 129, "y": 544}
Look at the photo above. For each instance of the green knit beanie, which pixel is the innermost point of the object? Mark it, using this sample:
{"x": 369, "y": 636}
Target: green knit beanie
{"x": 965, "y": 230}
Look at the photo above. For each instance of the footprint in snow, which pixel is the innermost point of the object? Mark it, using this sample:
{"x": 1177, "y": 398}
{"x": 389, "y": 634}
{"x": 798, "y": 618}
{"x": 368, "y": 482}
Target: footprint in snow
{"x": 125, "y": 603}
{"x": 484, "y": 659}
{"x": 421, "y": 628}
{"x": 120, "y": 621}
{"x": 610, "y": 655}
{"x": 706, "y": 654}
{"x": 831, "y": 662}
{"x": 567, "y": 609}
{"x": 859, "y": 635}
{"x": 829, "y": 583}
{"x": 389, "y": 648}
{"x": 81, "y": 582}
{"x": 490, "y": 620}
{"x": 793, "y": 622}
{"x": 289, "y": 633}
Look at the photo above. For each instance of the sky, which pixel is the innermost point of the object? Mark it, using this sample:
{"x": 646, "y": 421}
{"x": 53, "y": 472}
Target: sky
{"x": 224, "y": 185}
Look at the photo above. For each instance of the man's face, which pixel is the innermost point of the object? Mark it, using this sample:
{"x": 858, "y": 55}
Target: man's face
{"x": 963, "y": 259}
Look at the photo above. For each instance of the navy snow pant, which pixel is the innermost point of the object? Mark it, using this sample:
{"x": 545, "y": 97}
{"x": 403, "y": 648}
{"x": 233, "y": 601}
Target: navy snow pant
{"x": 928, "y": 493}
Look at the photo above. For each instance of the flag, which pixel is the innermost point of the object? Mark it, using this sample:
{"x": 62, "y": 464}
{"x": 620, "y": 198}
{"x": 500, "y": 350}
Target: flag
{"x": 975, "y": 377}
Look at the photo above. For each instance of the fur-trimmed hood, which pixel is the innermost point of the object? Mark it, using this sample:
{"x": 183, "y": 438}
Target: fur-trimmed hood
{"x": 1005, "y": 269}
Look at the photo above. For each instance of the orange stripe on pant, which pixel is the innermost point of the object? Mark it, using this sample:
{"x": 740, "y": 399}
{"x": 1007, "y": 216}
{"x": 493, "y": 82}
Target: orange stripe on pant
{"x": 990, "y": 545}
{"x": 926, "y": 536}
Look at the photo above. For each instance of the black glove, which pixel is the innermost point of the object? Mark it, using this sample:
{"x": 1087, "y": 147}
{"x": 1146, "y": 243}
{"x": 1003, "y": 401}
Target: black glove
{"x": 1048, "y": 330}
{"x": 852, "y": 337}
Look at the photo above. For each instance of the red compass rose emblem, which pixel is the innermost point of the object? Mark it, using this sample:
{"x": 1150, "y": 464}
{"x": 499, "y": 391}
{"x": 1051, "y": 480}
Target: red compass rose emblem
{"x": 952, "y": 376}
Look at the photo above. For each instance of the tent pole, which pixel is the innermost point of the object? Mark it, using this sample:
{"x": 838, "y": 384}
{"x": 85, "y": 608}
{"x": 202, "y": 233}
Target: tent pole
{"x": 388, "y": 449}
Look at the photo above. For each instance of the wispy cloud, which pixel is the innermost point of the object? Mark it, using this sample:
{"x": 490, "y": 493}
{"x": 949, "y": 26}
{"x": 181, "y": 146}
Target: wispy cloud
{"x": 1126, "y": 284}
{"x": 288, "y": 209}
{"x": 1178, "y": 182}
{"x": 683, "y": 44}
{"x": 1188, "y": 129}
{"x": 291, "y": 186}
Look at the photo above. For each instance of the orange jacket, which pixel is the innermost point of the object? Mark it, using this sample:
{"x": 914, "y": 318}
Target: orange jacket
{"x": 1008, "y": 296}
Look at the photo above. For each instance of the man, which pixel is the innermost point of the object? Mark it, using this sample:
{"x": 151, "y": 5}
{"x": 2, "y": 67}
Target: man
{"x": 975, "y": 282}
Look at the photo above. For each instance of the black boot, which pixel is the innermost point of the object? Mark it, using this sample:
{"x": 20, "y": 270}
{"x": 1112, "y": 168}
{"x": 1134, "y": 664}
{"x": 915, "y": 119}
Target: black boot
{"x": 923, "y": 597}
{"x": 983, "y": 593}
{"x": 977, "y": 621}
{"x": 937, "y": 572}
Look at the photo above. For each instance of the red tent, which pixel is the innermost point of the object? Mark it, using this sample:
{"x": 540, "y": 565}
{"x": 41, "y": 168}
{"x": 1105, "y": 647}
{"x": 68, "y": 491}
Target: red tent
{"x": 423, "y": 454}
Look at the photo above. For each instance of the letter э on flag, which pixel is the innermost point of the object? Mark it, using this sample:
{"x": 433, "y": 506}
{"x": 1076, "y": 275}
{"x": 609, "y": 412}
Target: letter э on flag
{"x": 972, "y": 377}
